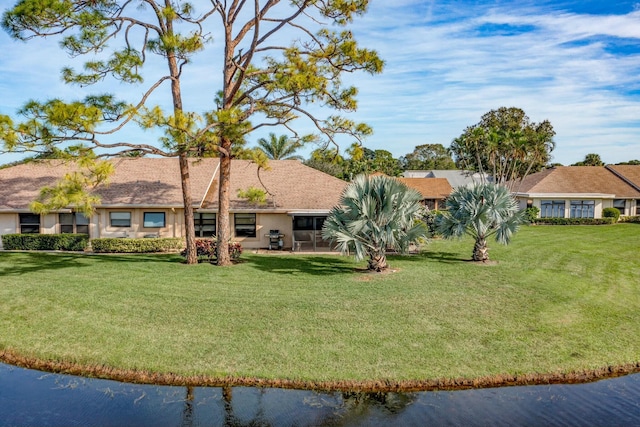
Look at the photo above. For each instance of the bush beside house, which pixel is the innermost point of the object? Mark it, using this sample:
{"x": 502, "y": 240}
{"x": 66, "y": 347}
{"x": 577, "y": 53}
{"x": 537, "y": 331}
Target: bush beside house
{"x": 632, "y": 219}
{"x": 126, "y": 245}
{"x": 531, "y": 214}
{"x": 611, "y": 213}
{"x": 206, "y": 249}
{"x": 45, "y": 242}
{"x": 574, "y": 221}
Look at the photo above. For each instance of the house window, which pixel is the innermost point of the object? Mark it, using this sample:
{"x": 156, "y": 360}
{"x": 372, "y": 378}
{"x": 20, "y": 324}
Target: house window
{"x": 621, "y": 205}
{"x": 29, "y": 223}
{"x": 245, "y": 224}
{"x": 429, "y": 204}
{"x": 120, "y": 219}
{"x": 205, "y": 224}
{"x": 582, "y": 208}
{"x": 552, "y": 209}
{"x": 73, "y": 223}
{"x": 154, "y": 220}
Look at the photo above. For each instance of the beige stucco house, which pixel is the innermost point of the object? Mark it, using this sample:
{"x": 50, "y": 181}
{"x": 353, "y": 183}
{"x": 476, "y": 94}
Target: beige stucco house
{"x": 582, "y": 191}
{"x": 144, "y": 199}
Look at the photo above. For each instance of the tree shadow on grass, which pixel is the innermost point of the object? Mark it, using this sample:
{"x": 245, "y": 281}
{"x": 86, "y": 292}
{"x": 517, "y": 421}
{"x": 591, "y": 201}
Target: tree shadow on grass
{"x": 447, "y": 257}
{"x": 316, "y": 265}
{"x": 29, "y": 262}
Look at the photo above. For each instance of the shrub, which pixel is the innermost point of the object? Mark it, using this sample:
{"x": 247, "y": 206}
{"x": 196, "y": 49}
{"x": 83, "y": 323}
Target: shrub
{"x": 574, "y": 221}
{"x": 611, "y": 213}
{"x": 45, "y": 242}
{"x": 531, "y": 214}
{"x": 206, "y": 249}
{"x": 634, "y": 219}
{"x": 429, "y": 220}
{"x": 126, "y": 245}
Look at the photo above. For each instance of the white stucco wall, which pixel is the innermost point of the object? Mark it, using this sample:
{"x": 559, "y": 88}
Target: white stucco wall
{"x": 8, "y": 224}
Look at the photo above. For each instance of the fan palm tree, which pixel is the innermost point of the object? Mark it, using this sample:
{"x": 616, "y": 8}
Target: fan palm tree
{"x": 375, "y": 214}
{"x": 279, "y": 148}
{"x": 480, "y": 211}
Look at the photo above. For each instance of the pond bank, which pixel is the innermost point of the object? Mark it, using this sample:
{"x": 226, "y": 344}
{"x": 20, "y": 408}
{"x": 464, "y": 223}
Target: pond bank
{"x": 170, "y": 379}
{"x": 33, "y": 398}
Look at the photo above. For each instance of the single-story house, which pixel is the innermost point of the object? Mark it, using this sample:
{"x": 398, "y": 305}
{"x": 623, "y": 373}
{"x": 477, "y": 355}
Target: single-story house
{"x": 457, "y": 178}
{"x": 581, "y": 191}
{"x": 144, "y": 199}
{"x": 434, "y": 190}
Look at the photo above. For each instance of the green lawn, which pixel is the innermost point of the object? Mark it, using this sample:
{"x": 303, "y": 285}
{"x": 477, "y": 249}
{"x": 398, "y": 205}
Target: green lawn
{"x": 559, "y": 299}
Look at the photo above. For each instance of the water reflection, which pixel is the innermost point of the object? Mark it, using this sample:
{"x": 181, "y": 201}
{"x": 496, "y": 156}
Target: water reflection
{"x": 32, "y": 398}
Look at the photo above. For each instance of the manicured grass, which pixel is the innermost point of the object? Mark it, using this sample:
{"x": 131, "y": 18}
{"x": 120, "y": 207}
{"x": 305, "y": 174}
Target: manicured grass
{"x": 559, "y": 299}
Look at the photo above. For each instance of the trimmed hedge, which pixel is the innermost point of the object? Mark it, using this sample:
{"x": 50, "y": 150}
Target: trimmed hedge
{"x": 45, "y": 242}
{"x": 574, "y": 221}
{"x": 634, "y": 219}
{"x": 127, "y": 245}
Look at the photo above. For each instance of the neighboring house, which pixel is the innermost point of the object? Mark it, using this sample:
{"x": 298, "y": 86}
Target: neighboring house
{"x": 434, "y": 190}
{"x": 581, "y": 191}
{"x": 144, "y": 199}
{"x": 456, "y": 178}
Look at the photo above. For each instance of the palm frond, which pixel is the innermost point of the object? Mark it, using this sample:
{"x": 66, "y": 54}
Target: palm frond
{"x": 375, "y": 214}
{"x": 481, "y": 210}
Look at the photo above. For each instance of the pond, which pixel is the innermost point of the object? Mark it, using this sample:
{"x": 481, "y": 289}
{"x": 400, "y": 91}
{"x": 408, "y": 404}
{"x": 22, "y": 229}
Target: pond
{"x": 34, "y": 398}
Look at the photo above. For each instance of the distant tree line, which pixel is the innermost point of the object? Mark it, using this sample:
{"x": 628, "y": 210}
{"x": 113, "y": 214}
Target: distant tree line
{"x": 504, "y": 144}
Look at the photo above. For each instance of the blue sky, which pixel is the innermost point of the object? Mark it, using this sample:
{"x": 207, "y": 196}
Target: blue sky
{"x": 574, "y": 63}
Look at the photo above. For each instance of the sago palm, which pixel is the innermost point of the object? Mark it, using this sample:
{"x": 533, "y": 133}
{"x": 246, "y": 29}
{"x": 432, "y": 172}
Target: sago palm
{"x": 480, "y": 211}
{"x": 280, "y": 148}
{"x": 375, "y": 214}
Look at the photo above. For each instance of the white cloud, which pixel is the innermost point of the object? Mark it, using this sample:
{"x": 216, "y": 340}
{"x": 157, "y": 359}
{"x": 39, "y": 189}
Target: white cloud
{"x": 442, "y": 76}
{"x": 444, "y": 71}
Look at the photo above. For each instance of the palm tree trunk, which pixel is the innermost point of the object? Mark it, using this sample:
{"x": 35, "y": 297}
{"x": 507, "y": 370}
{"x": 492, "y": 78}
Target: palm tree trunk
{"x": 480, "y": 250}
{"x": 377, "y": 262}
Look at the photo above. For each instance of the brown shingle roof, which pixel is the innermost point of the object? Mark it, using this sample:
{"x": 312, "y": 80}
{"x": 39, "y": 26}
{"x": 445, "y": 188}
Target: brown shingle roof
{"x": 430, "y": 188}
{"x": 156, "y": 182}
{"x": 143, "y": 182}
{"x": 293, "y": 186}
{"x": 19, "y": 185}
{"x": 577, "y": 179}
{"x": 629, "y": 172}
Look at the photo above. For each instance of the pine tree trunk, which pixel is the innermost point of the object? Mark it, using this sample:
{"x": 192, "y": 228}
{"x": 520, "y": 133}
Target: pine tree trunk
{"x": 224, "y": 228}
{"x": 480, "y": 250}
{"x": 190, "y": 232}
{"x": 176, "y": 93}
{"x": 229, "y": 89}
